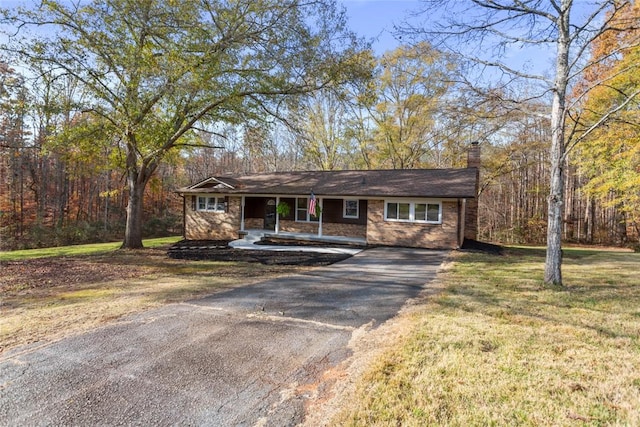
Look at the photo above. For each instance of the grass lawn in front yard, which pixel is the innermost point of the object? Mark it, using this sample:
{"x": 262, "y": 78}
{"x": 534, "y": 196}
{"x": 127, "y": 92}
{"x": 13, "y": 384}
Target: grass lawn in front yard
{"x": 50, "y": 293}
{"x": 89, "y": 249}
{"x": 496, "y": 347}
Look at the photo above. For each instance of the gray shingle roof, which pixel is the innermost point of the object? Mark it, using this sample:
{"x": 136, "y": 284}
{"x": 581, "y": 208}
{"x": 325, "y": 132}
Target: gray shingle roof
{"x": 440, "y": 183}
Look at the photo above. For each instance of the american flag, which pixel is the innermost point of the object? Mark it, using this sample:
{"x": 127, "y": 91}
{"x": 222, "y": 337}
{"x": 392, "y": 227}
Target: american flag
{"x": 312, "y": 204}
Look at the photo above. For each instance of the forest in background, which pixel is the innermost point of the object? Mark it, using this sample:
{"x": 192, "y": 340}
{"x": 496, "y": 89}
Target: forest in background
{"x": 59, "y": 185}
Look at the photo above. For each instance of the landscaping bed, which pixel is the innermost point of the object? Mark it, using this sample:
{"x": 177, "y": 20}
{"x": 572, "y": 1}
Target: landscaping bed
{"x": 218, "y": 250}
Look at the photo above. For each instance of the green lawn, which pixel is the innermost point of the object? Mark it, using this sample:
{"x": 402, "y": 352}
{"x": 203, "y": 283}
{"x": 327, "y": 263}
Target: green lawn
{"x": 496, "y": 347}
{"x": 79, "y": 250}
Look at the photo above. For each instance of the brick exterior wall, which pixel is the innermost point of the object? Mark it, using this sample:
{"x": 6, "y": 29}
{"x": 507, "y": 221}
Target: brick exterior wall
{"x": 471, "y": 220}
{"x": 287, "y": 226}
{"x": 223, "y": 226}
{"x": 328, "y": 228}
{"x": 213, "y": 225}
{"x": 348, "y": 230}
{"x": 253, "y": 223}
{"x": 437, "y": 236}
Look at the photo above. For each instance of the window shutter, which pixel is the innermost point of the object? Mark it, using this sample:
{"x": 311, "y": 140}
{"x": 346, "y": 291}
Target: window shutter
{"x": 194, "y": 200}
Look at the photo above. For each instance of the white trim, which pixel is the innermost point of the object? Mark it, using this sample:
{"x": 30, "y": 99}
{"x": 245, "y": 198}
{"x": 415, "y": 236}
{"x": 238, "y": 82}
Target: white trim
{"x": 207, "y": 202}
{"x": 204, "y": 191}
{"x": 208, "y": 180}
{"x": 277, "y": 227}
{"x": 412, "y": 210}
{"x": 242, "y": 206}
{"x": 320, "y": 217}
{"x": 344, "y": 208}
{"x": 306, "y": 209}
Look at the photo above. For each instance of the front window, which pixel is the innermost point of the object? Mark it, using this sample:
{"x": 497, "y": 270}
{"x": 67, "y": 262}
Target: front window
{"x": 413, "y": 212}
{"x": 404, "y": 211}
{"x": 421, "y": 212}
{"x": 210, "y": 204}
{"x": 351, "y": 209}
{"x": 302, "y": 209}
{"x": 398, "y": 211}
{"x": 202, "y": 203}
{"x": 434, "y": 212}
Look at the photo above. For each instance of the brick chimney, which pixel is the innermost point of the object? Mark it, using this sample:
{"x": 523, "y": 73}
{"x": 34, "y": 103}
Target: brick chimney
{"x": 471, "y": 207}
{"x": 473, "y": 155}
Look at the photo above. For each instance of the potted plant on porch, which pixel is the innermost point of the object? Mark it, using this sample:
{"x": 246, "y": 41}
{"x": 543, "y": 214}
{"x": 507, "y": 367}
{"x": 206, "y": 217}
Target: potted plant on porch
{"x": 283, "y": 209}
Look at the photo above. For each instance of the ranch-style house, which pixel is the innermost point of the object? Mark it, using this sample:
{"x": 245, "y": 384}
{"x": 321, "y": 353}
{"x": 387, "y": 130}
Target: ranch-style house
{"x": 424, "y": 208}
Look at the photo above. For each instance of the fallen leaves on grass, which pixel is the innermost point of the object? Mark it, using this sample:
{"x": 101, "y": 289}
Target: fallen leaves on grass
{"x": 48, "y": 298}
{"x": 497, "y": 348}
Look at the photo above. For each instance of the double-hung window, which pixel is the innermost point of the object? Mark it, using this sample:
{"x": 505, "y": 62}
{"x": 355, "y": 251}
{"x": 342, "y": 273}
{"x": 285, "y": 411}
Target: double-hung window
{"x": 302, "y": 210}
{"x": 410, "y": 211}
{"x": 351, "y": 208}
{"x": 210, "y": 204}
{"x": 398, "y": 211}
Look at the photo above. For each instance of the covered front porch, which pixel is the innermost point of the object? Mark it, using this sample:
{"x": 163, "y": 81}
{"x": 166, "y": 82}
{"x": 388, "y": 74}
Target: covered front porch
{"x": 336, "y": 220}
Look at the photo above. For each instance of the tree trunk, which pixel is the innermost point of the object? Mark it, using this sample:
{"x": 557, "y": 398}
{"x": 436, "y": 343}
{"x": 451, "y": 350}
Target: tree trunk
{"x": 137, "y": 177}
{"x": 133, "y": 230}
{"x": 621, "y": 225}
{"x": 553, "y": 263}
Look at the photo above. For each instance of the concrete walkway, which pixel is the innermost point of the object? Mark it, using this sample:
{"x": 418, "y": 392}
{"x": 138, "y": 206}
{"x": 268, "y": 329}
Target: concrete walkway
{"x": 252, "y": 237}
{"x": 250, "y": 356}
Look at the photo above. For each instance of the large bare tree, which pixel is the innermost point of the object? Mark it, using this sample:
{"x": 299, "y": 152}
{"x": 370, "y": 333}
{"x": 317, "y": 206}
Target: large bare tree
{"x": 544, "y": 42}
{"x": 154, "y": 71}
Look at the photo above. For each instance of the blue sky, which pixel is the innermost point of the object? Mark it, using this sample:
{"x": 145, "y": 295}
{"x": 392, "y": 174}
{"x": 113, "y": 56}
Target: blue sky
{"x": 375, "y": 19}
{"x": 368, "y": 18}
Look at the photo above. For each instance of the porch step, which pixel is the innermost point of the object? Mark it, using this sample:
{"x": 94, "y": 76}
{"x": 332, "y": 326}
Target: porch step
{"x": 250, "y": 237}
{"x": 302, "y": 238}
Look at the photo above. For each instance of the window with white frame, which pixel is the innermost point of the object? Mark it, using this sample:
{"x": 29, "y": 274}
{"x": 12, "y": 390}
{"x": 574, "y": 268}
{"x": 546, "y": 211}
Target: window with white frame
{"x": 302, "y": 210}
{"x": 210, "y": 204}
{"x": 413, "y": 211}
{"x": 351, "y": 208}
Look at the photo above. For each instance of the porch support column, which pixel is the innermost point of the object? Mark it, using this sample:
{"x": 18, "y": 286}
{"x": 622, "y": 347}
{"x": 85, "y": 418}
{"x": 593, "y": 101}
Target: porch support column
{"x": 277, "y": 230}
{"x": 320, "y": 218}
{"x": 242, "y": 214}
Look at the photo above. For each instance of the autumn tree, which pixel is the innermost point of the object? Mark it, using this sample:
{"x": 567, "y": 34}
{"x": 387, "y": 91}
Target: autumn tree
{"x": 412, "y": 84}
{"x": 320, "y": 125}
{"x": 514, "y": 179}
{"x": 14, "y": 149}
{"x": 500, "y": 39}
{"x": 153, "y": 72}
{"x": 610, "y": 155}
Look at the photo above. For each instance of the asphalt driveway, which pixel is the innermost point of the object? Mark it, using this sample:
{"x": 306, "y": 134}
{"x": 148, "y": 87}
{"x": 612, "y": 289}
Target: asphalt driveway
{"x": 244, "y": 357}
